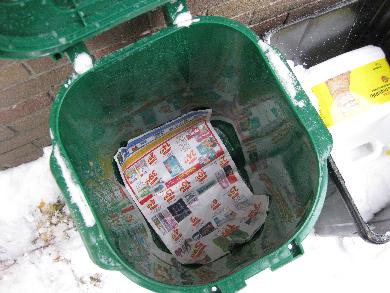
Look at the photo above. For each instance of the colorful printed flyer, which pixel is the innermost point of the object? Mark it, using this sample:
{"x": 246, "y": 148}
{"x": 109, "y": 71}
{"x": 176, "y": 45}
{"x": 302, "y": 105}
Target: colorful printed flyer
{"x": 187, "y": 186}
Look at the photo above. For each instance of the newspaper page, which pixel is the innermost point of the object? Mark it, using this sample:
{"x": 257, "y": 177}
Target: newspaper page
{"x": 187, "y": 186}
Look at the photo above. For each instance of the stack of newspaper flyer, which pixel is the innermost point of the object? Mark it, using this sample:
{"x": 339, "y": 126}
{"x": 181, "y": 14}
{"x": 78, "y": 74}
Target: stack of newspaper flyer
{"x": 187, "y": 186}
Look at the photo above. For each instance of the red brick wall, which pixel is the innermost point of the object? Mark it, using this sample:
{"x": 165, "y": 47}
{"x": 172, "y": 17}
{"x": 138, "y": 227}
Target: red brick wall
{"x": 27, "y": 88}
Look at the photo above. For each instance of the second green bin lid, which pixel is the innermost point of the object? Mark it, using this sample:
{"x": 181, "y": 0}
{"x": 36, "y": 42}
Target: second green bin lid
{"x": 35, "y": 28}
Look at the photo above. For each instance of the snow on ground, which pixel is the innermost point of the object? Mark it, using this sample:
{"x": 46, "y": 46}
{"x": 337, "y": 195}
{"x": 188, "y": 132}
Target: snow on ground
{"x": 39, "y": 246}
{"x": 41, "y": 250}
{"x": 330, "y": 264}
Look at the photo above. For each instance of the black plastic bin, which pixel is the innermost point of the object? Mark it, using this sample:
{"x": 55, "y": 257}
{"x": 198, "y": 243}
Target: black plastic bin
{"x": 313, "y": 40}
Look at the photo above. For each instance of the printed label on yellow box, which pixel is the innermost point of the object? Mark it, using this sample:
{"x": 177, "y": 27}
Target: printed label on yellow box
{"x": 353, "y": 92}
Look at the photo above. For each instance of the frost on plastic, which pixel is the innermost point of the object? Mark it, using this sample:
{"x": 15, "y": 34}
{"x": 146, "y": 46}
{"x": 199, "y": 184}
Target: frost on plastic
{"x": 74, "y": 189}
{"x": 285, "y": 75}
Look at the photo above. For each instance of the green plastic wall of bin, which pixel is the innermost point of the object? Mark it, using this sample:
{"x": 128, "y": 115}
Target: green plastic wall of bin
{"x": 214, "y": 63}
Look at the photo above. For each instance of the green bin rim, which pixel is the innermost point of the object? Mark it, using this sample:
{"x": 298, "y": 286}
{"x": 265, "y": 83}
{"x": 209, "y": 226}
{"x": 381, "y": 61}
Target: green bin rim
{"x": 320, "y": 140}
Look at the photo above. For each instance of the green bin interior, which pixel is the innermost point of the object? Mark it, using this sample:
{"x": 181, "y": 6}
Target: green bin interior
{"x": 214, "y": 63}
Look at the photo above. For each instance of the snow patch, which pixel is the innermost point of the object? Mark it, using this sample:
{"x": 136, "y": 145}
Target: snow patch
{"x": 180, "y": 8}
{"x": 283, "y": 72}
{"x": 301, "y": 74}
{"x": 267, "y": 38}
{"x": 348, "y": 260}
{"x": 22, "y": 189}
{"x": 184, "y": 19}
{"x": 71, "y": 79}
{"x": 82, "y": 63}
{"x": 62, "y": 264}
{"x": 74, "y": 189}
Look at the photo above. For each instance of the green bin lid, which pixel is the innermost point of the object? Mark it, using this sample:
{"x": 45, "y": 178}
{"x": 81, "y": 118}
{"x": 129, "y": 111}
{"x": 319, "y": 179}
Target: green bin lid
{"x": 35, "y": 28}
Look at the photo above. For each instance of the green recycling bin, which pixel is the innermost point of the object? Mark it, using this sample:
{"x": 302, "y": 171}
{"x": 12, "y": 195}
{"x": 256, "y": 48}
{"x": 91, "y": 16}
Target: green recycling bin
{"x": 270, "y": 130}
